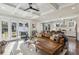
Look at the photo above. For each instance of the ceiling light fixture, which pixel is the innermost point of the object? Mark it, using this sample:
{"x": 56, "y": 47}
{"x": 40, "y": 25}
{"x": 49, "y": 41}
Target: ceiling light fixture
{"x": 2, "y": 7}
{"x": 73, "y": 7}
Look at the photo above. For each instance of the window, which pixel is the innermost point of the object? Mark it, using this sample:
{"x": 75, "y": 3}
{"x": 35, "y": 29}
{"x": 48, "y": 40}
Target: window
{"x": 13, "y": 29}
{"x": 33, "y": 25}
{"x": 26, "y": 25}
{"x": 20, "y": 24}
{"x": 4, "y": 30}
{"x": 71, "y": 24}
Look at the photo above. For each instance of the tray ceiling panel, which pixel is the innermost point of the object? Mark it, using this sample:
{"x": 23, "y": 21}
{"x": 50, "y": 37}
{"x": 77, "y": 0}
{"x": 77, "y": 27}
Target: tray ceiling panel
{"x": 46, "y": 10}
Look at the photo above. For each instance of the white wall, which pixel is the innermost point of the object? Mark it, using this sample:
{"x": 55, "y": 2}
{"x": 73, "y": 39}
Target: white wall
{"x": 38, "y": 26}
{"x": 77, "y": 20}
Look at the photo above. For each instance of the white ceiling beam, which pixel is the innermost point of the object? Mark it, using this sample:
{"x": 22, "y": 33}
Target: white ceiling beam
{"x": 67, "y": 5}
{"x": 42, "y": 14}
{"x": 17, "y": 7}
{"x": 55, "y": 5}
{"x": 9, "y": 10}
{"x": 68, "y": 17}
{"x": 45, "y": 13}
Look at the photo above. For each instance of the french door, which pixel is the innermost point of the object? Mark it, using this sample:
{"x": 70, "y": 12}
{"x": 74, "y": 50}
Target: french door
{"x": 4, "y": 30}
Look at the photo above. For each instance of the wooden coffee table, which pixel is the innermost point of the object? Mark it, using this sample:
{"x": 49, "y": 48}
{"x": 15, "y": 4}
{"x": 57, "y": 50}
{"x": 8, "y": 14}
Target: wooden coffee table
{"x": 49, "y": 46}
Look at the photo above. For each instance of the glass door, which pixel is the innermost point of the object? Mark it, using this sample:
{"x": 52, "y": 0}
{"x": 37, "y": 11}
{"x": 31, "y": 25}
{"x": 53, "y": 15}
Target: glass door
{"x": 14, "y": 33}
{"x": 4, "y": 30}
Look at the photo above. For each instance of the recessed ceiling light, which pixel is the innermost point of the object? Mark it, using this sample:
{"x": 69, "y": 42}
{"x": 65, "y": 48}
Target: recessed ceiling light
{"x": 2, "y": 7}
{"x": 73, "y": 7}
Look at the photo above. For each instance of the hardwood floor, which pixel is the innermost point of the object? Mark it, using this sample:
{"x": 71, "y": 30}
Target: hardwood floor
{"x": 77, "y": 48}
{"x": 71, "y": 46}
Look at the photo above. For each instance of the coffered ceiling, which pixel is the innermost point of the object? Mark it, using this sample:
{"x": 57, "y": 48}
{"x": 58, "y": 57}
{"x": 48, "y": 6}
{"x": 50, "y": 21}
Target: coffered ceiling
{"x": 47, "y": 11}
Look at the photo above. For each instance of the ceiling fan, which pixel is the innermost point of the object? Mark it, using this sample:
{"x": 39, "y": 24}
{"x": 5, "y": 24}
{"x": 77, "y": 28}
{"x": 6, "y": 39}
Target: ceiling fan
{"x": 30, "y": 7}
